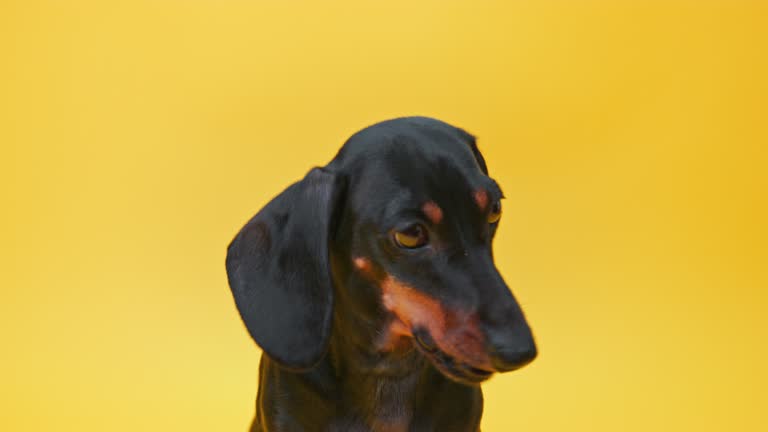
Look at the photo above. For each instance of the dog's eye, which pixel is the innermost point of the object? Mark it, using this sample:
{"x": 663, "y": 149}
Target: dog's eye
{"x": 412, "y": 237}
{"x": 495, "y": 213}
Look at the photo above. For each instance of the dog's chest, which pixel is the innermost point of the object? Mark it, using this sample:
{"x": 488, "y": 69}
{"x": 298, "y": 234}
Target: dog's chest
{"x": 391, "y": 403}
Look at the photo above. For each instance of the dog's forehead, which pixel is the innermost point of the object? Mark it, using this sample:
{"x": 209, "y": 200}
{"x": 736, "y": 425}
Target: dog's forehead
{"x": 407, "y": 163}
{"x": 393, "y": 186}
{"x": 409, "y": 148}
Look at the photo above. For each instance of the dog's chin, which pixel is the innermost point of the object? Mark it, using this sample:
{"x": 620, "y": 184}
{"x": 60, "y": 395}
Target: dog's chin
{"x": 458, "y": 371}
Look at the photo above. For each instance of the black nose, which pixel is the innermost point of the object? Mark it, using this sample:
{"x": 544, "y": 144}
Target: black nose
{"x": 510, "y": 343}
{"x": 507, "y": 359}
{"x": 510, "y": 347}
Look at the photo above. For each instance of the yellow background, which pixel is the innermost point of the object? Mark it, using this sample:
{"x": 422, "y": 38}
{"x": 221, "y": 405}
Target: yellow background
{"x": 629, "y": 136}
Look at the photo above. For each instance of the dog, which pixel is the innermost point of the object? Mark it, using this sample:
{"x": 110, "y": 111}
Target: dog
{"x": 371, "y": 288}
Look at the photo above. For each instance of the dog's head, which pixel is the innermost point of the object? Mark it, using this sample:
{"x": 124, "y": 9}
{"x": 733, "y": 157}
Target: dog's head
{"x": 402, "y": 220}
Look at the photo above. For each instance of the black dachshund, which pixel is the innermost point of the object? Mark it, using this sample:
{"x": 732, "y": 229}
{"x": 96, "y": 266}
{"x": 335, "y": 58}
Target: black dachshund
{"x": 371, "y": 288}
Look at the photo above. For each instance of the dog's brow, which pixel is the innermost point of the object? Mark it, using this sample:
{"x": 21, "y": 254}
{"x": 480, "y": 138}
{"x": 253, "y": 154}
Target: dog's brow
{"x": 481, "y": 198}
{"x": 395, "y": 206}
{"x": 484, "y": 194}
{"x": 433, "y": 212}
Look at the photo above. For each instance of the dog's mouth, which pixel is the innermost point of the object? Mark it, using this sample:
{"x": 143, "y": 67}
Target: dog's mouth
{"x": 449, "y": 366}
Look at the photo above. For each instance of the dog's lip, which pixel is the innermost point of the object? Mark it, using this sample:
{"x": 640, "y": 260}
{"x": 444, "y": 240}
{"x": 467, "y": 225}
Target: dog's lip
{"x": 459, "y": 371}
{"x": 428, "y": 345}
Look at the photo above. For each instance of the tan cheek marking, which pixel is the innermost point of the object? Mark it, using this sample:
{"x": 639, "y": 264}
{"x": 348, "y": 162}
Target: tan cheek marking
{"x": 412, "y": 308}
{"x": 456, "y": 333}
{"x": 433, "y": 212}
{"x": 481, "y": 198}
{"x": 395, "y": 337}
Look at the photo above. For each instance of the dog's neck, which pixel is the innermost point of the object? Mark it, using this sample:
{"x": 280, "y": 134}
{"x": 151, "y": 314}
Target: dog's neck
{"x": 378, "y": 372}
{"x": 377, "y": 379}
{"x": 366, "y": 341}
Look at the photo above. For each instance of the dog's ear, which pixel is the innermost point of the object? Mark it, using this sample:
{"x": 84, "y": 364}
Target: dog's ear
{"x": 472, "y": 142}
{"x": 479, "y": 156}
{"x": 279, "y": 271}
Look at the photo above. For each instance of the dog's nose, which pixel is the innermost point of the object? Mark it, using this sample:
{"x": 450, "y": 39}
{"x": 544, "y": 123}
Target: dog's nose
{"x": 508, "y": 359}
{"x": 511, "y": 348}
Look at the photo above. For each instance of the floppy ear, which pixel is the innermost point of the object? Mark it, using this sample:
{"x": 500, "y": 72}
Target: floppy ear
{"x": 279, "y": 271}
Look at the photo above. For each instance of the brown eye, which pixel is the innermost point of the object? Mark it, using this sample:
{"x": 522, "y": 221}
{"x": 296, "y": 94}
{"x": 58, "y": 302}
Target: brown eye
{"x": 495, "y": 213}
{"x": 412, "y": 237}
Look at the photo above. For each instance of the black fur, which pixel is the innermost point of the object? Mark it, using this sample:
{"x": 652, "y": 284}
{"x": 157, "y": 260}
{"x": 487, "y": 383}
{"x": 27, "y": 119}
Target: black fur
{"x": 318, "y": 319}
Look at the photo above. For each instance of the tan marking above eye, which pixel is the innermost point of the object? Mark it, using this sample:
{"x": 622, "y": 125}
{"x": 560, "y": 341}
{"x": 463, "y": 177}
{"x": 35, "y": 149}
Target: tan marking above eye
{"x": 495, "y": 213}
{"x": 433, "y": 211}
{"x": 481, "y": 198}
{"x": 412, "y": 237}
